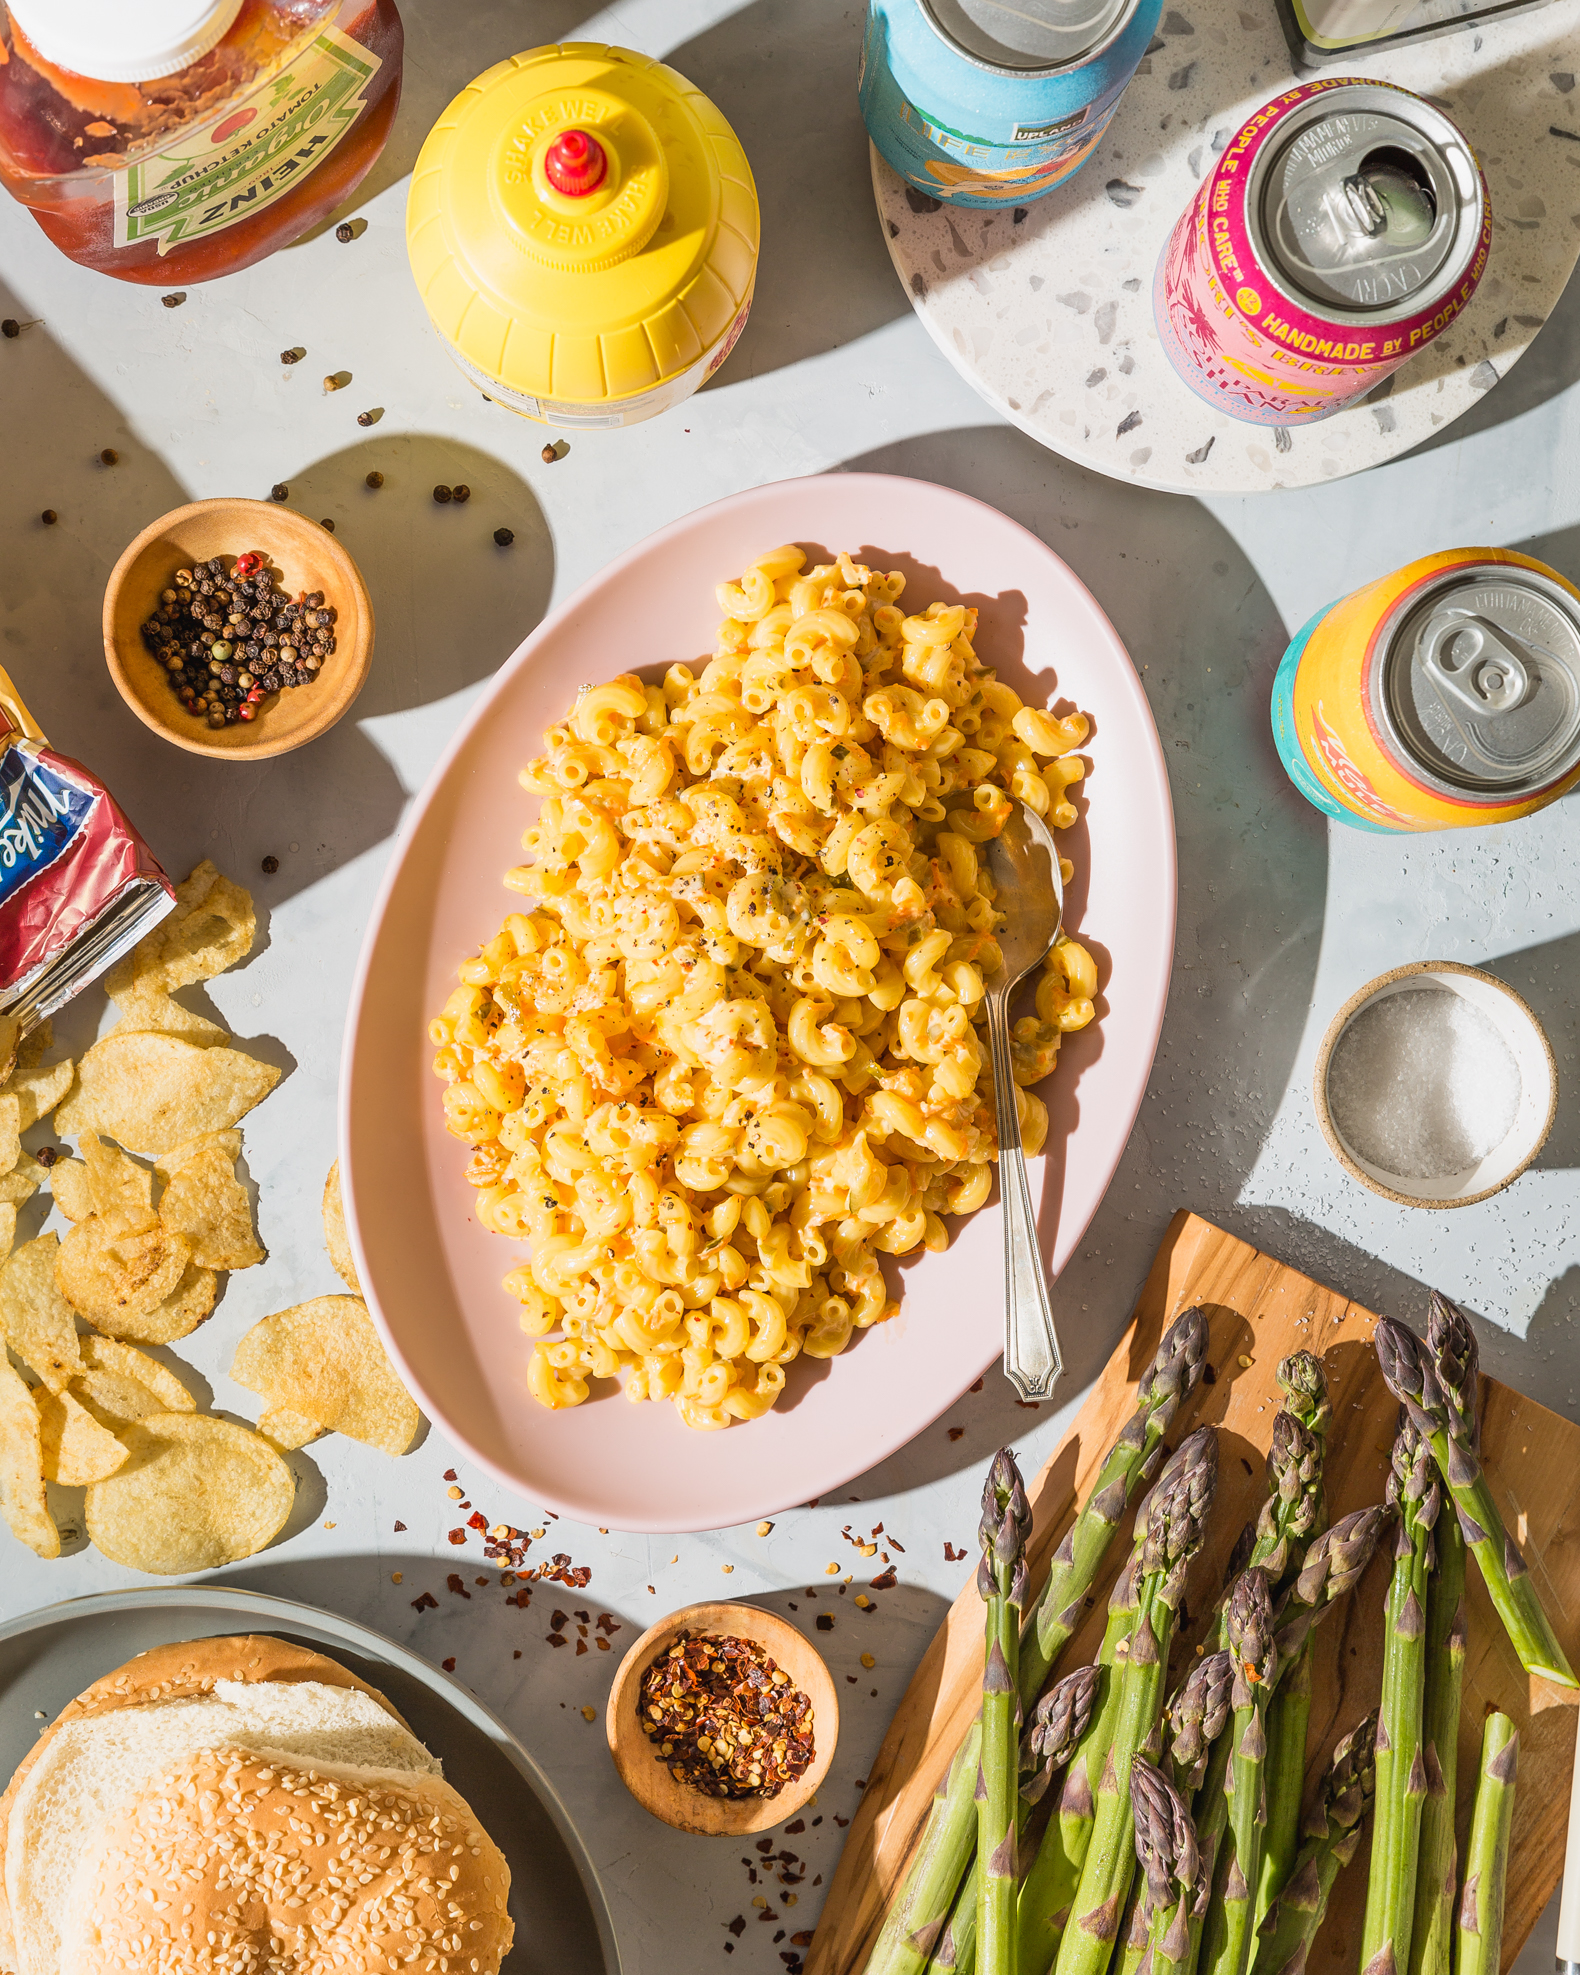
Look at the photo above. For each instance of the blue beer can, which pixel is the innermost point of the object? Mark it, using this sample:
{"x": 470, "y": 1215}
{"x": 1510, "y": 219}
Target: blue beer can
{"x": 995, "y": 102}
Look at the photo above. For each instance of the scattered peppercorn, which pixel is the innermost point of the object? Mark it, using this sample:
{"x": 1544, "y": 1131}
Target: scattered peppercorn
{"x": 374, "y": 479}
{"x": 271, "y": 865}
{"x": 337, "y": 380}
{"x": 49, "y": 517}
{"x": 371, "y": 416}
{"x": 292, "y": 356}
{"x": 279, "y": 491}
{"x": 229, "y": 638}
{"x": 345, "y": 231}
{"x": 461, "y": 493}
{"x": 725, "y": 1718}
{"x": 109, "y": 457}
{"x": 46, "y": 1155}
{"x": 327, "y": 524}
{"x": 174, "y": 301}
{"x": 10, "y": 327}
{"x": 442, "y": 495}
{"x": 550, "y": 455}
{"x": 504, "y": 537}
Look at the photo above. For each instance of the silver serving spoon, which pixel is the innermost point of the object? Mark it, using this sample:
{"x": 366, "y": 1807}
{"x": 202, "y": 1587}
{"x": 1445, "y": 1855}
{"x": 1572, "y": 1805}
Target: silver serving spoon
{"x": 1024, "y": 863}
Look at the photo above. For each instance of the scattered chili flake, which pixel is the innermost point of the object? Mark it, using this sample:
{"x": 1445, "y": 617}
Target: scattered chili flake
{"x": 803, "y": 1939}
{"x": 977, "y": 1387}
{"x": 841, "y": 1822}
{"x": 951, "y": 1554}
{"x": 457, "y": 1584}
{"x": 448, "y": 1665}
{"x": 399, "y": 1526}
{"x": 426, "y": 1603}
{"x": 556, "y": 1638}
{"x": 726, "y": 1719}
{"x": 1028, "y": 1405}
{"x": 795, "y": 1830}
{"x": 457, "y": 1535}
{"x": 1209, "y": 1376}
{"x": 450, "y": 1475}
{"x": 898, "y": 1545}
{"x": 884, "y": 1581}
{"x": 737, "y": 1926}
{"x": 476, "y": 1521}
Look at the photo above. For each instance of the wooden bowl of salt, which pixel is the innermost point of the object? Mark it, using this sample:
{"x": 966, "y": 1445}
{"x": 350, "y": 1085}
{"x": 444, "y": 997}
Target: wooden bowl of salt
{"x": 1435, "y": 1085}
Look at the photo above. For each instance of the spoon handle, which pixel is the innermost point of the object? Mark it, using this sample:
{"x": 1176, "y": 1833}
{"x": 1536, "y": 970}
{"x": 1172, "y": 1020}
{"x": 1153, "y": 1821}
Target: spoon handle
{"x": 1031, "y": 1348}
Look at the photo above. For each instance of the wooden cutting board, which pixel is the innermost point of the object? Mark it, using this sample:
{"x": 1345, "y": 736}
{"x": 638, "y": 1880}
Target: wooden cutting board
{"x": 1259, "y": 1311}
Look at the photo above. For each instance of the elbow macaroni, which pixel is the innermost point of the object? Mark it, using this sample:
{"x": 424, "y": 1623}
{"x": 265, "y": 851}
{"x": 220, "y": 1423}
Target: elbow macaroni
{"x": 734, "y": 1053}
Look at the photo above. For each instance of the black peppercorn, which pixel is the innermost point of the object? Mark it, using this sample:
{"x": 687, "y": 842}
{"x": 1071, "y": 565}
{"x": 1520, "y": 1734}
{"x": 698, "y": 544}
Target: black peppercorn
{"x": 292, "y": 356}
{"x": 504, "y": 537}
{"x": 442, "y": 495}
{"x": 461, "y": 493}
{"x": 174, "y": 301}
{"x": 374, "y": 479}
{"x": 10, "y": 327}
{"x": 271, "y": 865}
{"x": 109, "y": 457}
{"x": 550, "y": 455}
{"x": 49, "y": 517}
{"x": 279, "y": 491}
{"x": 343, "y": 232}
{"x": 327, "y": 524}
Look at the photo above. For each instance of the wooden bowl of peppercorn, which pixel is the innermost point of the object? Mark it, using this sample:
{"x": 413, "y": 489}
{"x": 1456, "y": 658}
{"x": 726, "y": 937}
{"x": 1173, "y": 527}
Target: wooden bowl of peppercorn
{"x": 649, "y": 1775}
{"x": 153, "y": 672}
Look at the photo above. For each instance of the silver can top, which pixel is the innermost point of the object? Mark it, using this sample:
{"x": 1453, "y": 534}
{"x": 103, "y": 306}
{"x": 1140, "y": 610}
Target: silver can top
{"x": 1371, "y": 202}
{"x": 1026, "y": 37}
{"x": 1479, "y": 683}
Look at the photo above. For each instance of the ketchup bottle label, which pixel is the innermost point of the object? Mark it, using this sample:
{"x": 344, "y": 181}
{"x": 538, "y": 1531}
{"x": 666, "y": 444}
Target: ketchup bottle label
{"x": 259, "y": 146}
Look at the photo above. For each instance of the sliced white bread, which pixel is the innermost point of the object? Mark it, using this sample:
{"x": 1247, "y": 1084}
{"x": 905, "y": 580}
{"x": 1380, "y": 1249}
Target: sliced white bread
{"x": 93, "y": 1766}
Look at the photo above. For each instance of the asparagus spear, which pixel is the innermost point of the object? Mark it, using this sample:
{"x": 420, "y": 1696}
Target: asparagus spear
{"x": 1401, "y": 1767}
{"x": 1197, "y": 1716}
{"x": 1437, "y": 1385}
{"x": 1288, "y": 1719}
{"x": 1175, "y": 1526}
{"x": 1050, "y": 1885}
{"x": 1332, "y": 1568}
{"x": 1001, "y": 1580}
{"x": 1478, "y": 1937}
{"x": 1305, "y": 1389}
{"x": 1432, "y": 1930}
{"x": 1134, "y": 1925}
{"x": 1173, "y": 1377}
{"x": 1170, "y": 1859}
{"x": 917, "y": 1914}
{"x": 1332, "y": 1832}
{"x": 1226, "y": 1943}
{"x": 1296, "y": 1506}
{"x": 1058, "y": 1722}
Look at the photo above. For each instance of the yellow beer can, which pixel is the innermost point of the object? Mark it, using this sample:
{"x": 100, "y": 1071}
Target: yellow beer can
{"x": 583, "y": 228}
{"x": 1444, "y": 696}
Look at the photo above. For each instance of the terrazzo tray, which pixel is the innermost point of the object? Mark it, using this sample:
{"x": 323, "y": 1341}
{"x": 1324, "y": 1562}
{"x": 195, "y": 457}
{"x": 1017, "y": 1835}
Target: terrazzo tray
{"x": 1047, "y": 310}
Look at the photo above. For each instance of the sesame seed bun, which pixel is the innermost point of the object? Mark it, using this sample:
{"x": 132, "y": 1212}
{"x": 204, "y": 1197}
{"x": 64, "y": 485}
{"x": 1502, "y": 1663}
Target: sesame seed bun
{"x": 235, "y": 1863}
{"x": 168, "y": 1682}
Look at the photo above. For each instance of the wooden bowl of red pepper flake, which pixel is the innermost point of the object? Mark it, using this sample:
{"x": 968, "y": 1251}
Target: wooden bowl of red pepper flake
{"x": 287, "y": 560}
{"x": 722, "y": 1719}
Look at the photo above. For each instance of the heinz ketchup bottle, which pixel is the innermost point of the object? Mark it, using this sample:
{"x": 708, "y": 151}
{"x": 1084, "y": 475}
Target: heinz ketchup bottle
{"x": 169, "y": 141}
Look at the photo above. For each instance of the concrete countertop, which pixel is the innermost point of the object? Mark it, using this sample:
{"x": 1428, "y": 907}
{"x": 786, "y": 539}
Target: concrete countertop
{"x": 1281, "y": 916}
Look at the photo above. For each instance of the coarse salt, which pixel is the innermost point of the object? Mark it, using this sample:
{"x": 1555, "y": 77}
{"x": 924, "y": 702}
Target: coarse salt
{"x": 1421, "y": 1085}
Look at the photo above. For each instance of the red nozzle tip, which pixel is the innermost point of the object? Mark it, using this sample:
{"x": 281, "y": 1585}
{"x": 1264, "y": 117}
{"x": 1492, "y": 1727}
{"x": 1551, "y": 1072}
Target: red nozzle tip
{"x": 575, "y": 163}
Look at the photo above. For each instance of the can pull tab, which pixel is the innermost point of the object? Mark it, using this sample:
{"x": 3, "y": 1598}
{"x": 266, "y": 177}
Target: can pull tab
{"x": 1366, "y": 208}
{"x": 1465, "y": 659}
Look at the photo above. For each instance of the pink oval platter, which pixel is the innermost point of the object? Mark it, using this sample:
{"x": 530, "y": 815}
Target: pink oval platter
{"x": 432, "y": 1272}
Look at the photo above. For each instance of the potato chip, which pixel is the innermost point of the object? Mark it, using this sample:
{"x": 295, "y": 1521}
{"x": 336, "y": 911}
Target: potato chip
{"x": 287, "y": 1429}
{"x": 24, "y": 1180}
{"x": 195, "y": 1493}
{"x": 39, "y": 1325}
{"x": 77, "y": 1449}
{"x": 115, "y": 1268}
{"x": 152, "y": 1092}
{"x": 120, "y": 1383}
{"x": 151, "y": 1009}
{"x": 335, "y": 1238}
{"x": 7, "y": 1227}
{"x": 10, "y": 1130}
{"x": 39, "y": 1090}
{"x": 168, "y": 1164}
{"x": 212, "y": 927}
{"x": 118, "y": 1184}
{"x": 324, "y": 1359}
{"x": 22, "y": 1500}
{"x": 73, "y": 1190}
{"x": 193, "y": 1297}
{"x": 208, "y": 1204}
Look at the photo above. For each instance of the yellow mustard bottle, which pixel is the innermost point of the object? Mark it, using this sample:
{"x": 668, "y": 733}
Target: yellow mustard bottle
{"x": 583, "y": 229}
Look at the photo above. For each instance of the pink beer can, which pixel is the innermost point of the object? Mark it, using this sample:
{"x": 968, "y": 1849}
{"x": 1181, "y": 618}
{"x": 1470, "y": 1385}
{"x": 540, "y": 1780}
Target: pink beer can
{"x": 1343, "y": 227}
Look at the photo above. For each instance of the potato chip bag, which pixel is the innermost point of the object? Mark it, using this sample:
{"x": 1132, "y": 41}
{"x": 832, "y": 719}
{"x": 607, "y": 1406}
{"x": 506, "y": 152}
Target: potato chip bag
{"x": 195, "y": 1493}
{"x": 324, "y": 1359}
{"x": 77, "y": 1450}
{"x": 153, "y": 1092}
{"x": 38, "y": 1321}
{"x": 22, "y": 1500}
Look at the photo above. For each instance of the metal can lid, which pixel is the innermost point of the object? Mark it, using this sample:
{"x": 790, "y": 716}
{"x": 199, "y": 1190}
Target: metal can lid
{"x": 1026, "y": 36}
{"x": 1480, "y": 681}
{"x": 1362, "y": 207}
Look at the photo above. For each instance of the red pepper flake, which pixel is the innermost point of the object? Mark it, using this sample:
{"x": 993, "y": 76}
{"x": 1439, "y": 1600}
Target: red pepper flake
{"x": 977, "y": 1387}
{"x": 841, "y": 1822}
{"x": 457, "y": 1535}
{"x": 448, "y": 1665}
{"x": 898, "y": 1545}
{"x": 477, "y": 1520}
{"x": 952, "y": 1555}
{"x": 765, "y": 1844}
{"x": 426, "y": 1603}
{"x": 957, "y": 1433}
{"x": 725, "y": 1719}
{"x": 581, "y": 1647}
{"x": 737, "y": 1926}
{"x": 878, "y": 1531}
{"x": 825, "y": 1621}
{"x": 523, "y": 1598}
{"x": 556, "y": 1638}
{"x": 559, "y": 1620}
{"x": 399, "y": 1527}
{"x": 449, "y": 1474}
{"x": 457, "y": 1584}
{"x": 1028, "y": 1405}
{"x": 608, "y": 1623}
{"x": 884, "y": 1581}
{"x": 795, "y": 1830}
{"x": 803, "y": 1939}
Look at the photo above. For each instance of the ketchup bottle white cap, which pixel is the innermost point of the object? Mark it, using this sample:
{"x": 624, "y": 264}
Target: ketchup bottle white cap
{"x": 123, "y": 40}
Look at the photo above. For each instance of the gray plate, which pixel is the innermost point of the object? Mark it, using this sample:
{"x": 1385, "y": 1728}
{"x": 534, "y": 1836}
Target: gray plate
{"x": 562, "y": 1922}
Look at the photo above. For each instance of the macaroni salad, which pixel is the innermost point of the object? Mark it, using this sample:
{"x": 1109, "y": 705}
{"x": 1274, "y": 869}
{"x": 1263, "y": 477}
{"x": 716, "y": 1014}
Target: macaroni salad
{"x": 734, "y": 1054}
